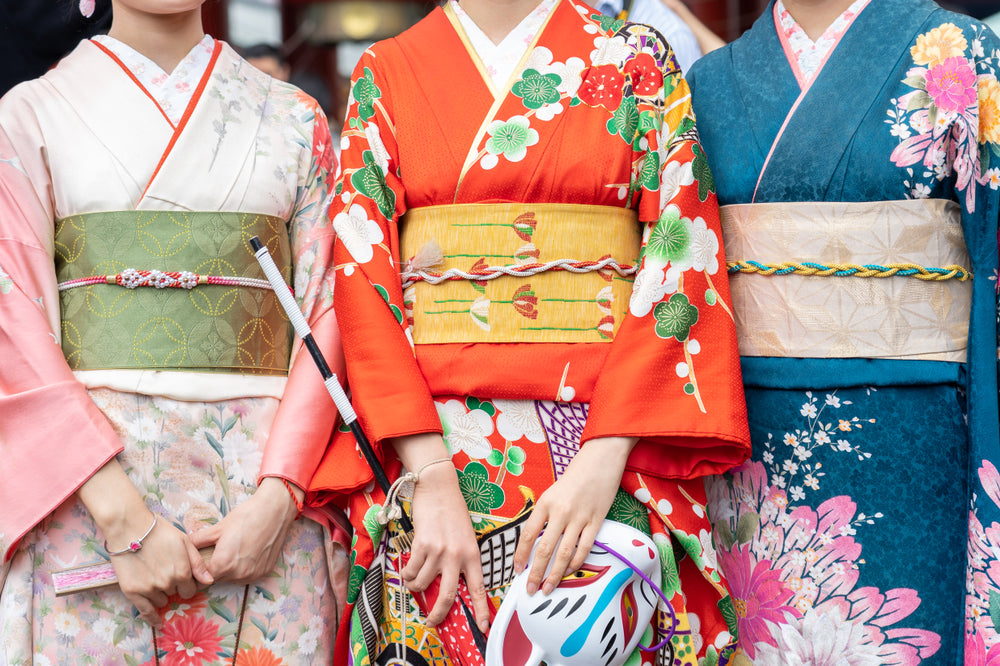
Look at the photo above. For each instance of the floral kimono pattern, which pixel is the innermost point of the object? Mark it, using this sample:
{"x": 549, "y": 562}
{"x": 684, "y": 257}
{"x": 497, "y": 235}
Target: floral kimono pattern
{"x": 194, "y": 443}
{"x": 428, "y": 133}
{"x": 867, "y": 516}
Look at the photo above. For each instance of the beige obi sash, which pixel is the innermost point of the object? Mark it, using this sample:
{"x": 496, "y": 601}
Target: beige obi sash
{"x": 564, "y": 272}
{"x": 849, "y": 316}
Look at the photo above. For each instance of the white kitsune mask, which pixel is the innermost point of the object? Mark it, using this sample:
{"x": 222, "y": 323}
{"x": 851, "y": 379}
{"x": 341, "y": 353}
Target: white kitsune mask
{"x": 595, "y": 617}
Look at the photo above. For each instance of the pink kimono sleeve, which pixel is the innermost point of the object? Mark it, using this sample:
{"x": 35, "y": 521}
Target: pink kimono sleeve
{"x": 52, "y": 436}
{"x": 304, "y": 423}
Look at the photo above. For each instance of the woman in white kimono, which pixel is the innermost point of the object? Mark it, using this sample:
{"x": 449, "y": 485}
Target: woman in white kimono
{"x": 143, "y": 364}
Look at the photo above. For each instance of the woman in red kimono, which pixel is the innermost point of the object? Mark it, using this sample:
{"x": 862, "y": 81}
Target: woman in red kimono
{"x": 528, "y": 247}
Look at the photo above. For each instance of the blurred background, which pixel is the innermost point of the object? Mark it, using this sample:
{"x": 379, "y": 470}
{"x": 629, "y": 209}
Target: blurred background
{"x": 313, "y": 43}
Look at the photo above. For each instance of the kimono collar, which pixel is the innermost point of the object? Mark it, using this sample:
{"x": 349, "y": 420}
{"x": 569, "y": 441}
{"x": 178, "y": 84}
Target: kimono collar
{"x": 805, "y": 55}
{"x": 171, "y": 91}
{"x": 501, "y": 59}
{"x": 866, "y": 57}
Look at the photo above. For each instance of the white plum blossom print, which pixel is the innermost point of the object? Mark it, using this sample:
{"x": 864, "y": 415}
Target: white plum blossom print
{"x": 517, "y": 419}
{"x": 358, "y": 233}
{"x": 465, "y": 430}
{"x": 609, "y": 51}
{"x": 653, "y": 282}
{"x": 676, "y": 175}
{"x": 377, "y": 147}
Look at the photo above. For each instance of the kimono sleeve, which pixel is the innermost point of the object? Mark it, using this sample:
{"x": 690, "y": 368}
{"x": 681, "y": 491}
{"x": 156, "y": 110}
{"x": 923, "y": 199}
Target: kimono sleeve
{"x": 305, "y": 418}
{"x": 388, "y": 390}
{"x": 672, "y": 377}
{"x": 52, "y": 435}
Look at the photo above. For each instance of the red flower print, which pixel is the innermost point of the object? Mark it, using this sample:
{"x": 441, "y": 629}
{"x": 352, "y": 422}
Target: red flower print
{"x": 180, "y": 607}
{"x": 645, "y": 75}
{"x": 259, "y": 656}
{"x": 524, "y": 226}
{"x": 525, "y": 301}
{"x": 479, "y": 267}
{"x": 190, "y": 640}
{"x": 606, "y": 327}
{"x": 602, "y": 86}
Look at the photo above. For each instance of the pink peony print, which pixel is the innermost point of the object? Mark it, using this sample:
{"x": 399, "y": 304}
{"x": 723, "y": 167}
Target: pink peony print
{"x": 758, "y": 594}
{"x": 190, "y": 640}
{"x": 952, "y": 85}
{"x": 976, "y": 653}
{"x": 812, "y": 557}
{"x": 87, "y": 7}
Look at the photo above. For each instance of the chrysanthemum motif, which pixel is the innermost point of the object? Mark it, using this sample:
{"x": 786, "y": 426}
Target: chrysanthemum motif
{"x": 936, "y": 46}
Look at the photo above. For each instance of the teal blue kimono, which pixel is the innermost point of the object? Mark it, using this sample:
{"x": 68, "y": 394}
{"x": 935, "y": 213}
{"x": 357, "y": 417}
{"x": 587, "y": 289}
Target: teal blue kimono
{"x": 867, "y": 523}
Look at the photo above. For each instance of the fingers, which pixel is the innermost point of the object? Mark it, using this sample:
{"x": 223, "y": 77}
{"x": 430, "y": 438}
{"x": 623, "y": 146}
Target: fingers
{"x": 583, "y": 547}
{"x": 430, "y": 564}
{"x": 446, "y": 597}
{"x": 147, "y": 611}
{"x": 564, "y": 552}
{"x": 477, "y": 592}
{"x": 206, "y": 537}
{"x": 529, "y": 533}
{"x": 198, "y": 569}
{"x": 544, "y": 551}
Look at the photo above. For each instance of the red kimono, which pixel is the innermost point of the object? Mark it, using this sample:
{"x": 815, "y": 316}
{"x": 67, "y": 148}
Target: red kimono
{"x": 583, "y": 187}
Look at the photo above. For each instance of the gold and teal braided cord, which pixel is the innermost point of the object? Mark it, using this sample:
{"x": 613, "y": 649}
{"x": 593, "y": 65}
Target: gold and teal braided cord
{"x": 950, "y": 272}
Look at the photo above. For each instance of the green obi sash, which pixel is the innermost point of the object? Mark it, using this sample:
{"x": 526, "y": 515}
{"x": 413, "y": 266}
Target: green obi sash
{"x": 171, "y": 290}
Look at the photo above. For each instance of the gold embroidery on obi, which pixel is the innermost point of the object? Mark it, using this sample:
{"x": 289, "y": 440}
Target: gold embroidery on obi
{"x": 207, "y": 326}
{"x": 546, "y": 301}
{"x": 832, "y": 316}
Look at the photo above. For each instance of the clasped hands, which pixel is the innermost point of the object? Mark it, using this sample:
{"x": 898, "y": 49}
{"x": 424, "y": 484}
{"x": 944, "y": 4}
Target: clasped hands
{"x": 247, "y": 541}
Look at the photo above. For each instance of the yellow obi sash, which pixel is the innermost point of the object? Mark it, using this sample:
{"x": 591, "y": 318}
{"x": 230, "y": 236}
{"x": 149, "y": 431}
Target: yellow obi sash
{"x": 563, "y": 272}
{"x": 171, "y": 290}
{"x": 885, "y": 279}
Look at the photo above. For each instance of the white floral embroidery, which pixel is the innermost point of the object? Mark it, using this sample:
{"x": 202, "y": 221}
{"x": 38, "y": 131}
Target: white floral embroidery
{"x": 518, "y": 419}
{"x": 465, "y": 430}
{"x": 358, "y": 233}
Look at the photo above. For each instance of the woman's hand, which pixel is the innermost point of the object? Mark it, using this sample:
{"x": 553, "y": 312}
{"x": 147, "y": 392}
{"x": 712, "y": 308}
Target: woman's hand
{"x": 249, "y": 539}
{"x": 444, "y": 543}
{"x": 168, "y": 563}
{"x": 571, "y": 512}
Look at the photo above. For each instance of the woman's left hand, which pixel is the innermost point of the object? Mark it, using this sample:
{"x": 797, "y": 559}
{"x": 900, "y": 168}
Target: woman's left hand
{"x": 571, "y": 512}
{"x": 249, "y": 539}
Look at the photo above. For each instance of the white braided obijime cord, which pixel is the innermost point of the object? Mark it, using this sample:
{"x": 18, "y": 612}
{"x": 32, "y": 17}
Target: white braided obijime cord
{"x": 494, "y": 272}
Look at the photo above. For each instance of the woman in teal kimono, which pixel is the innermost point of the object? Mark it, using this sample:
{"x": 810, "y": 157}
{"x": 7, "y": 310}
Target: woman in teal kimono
{"x": 858, "y": 165}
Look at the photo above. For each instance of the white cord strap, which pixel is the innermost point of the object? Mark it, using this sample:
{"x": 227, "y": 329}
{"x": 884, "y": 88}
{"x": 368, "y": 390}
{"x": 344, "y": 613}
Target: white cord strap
{"x": 391, "y": 509}
{"x": 521, "y": 270}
